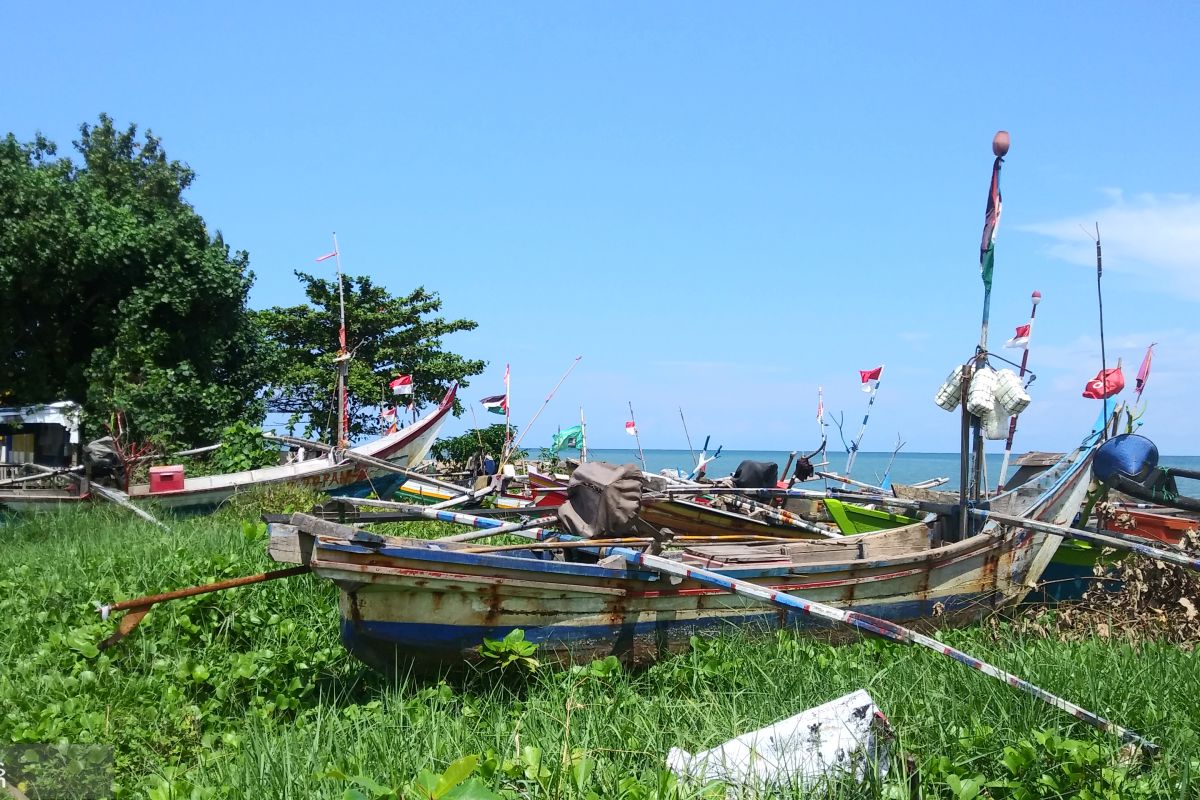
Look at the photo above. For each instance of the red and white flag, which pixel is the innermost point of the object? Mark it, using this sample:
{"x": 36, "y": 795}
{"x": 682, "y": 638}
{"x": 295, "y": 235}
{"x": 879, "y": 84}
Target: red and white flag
{"x": 402, "y": 385}
{"x": 870, "y": 378}
{"x": 820, "y": 404}
{"x": 630, "y": 428}
{"x": 1021, "y": 340}
{"x": 327, "y": 256}
{"x": 1106, "y": 384}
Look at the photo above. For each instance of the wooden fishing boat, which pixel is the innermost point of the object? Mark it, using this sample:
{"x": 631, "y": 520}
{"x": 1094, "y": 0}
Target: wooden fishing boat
{"x": 332, "y": 473}
{"x": 432, "y": 603}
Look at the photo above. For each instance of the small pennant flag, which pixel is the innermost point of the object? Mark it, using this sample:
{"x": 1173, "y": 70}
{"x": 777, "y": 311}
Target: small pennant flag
{"x": 630, "y": 428}
{"x": 327, "y": 256}
{"x": 1143, "y": 375}
{"x": 820, "y": 404}
{"x": 497, "y": 404}
{"x": 388, "y": 413}
{"x": 870, "y": 377}
{"x": 1021, "y": 340}
{"x": 402, "y": 385}
{"x": 1106, "y": 384}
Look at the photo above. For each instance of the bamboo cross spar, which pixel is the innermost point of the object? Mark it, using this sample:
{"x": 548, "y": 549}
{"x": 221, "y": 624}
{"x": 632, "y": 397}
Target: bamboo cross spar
{"x": 854, "y": 619}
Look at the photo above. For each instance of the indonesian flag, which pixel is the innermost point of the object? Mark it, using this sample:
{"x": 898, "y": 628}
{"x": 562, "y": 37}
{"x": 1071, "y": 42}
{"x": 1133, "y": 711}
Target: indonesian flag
{"x": 1106, "y": 384}
{"x": 870, "y": 378}
{"x": 388, "y": 413}
{"x": 1021, "y": 340}
{"x": 1143, "y": 374}
{"x": 497, "y": 404}
{"x": 402, "y": 385}
{"x": 327, "y": 256}
{"x": 630, "y": 428}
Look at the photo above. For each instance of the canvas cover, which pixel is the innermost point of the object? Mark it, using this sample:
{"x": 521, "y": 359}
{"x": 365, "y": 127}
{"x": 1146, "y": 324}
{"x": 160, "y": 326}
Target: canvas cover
{"x": 756, "y": 475}
{"x": 603, "y": 500}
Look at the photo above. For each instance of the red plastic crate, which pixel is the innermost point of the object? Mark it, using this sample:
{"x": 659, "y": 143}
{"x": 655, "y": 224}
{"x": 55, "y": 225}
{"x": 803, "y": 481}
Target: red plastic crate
{"x": 166, "y": 479}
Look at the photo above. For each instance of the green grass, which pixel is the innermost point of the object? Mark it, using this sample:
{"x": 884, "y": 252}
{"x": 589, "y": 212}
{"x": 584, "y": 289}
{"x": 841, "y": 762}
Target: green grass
{"x": 247, "y": 693}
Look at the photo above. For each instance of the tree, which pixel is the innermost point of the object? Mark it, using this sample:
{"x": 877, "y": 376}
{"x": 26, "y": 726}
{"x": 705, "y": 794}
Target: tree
{"x": 388, "y": 336}
{"x": 456, "y": 451}
{"x": 114, "y": 294}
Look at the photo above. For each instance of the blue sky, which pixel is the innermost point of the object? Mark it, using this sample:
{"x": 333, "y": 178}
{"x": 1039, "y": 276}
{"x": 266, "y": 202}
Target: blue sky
{"x": 720, "y": 206}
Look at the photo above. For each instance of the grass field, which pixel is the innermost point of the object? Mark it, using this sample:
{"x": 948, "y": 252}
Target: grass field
{"x": 247, "y": 693}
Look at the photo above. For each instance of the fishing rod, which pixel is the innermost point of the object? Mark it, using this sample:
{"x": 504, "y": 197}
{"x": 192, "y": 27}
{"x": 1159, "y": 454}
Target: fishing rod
{"x": 636, "y": 435}
{"x": 886, "y": 484}
{"x": 691, "y": 449}
{"x": 517, "y": 444}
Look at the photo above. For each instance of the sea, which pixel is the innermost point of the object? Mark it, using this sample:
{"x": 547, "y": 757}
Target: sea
{"x": 868, "y": 467}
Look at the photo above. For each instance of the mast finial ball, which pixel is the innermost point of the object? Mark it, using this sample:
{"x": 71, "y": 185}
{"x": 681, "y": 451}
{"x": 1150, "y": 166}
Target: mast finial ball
{"x": 1000, "y": 143}
{"x": 1037, "y": 297}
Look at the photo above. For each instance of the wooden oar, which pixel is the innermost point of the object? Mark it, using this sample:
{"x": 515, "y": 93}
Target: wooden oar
{"x": 140, "y": 606}
{"x": 853, "y": 619}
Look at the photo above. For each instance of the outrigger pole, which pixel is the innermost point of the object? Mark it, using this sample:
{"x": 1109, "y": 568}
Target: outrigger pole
{"x": 1012, "y": 421}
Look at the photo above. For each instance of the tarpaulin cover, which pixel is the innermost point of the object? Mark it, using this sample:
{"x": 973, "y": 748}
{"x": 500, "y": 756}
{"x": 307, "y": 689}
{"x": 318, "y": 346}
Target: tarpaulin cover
{"x": 756, "y": 475}
{"x": 603, "y": 500}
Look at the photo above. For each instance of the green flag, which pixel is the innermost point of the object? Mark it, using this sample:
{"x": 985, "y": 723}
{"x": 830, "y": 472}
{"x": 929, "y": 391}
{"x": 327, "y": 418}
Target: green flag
{"x": 991, "y": 220}
{"x": 571, "y": 437}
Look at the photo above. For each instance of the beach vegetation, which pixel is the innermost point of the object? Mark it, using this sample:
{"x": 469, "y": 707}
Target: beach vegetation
{"x": 249, "y": 693}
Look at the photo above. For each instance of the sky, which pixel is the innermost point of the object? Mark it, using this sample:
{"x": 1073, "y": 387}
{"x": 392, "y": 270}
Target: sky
{"x": 719, "y": 206}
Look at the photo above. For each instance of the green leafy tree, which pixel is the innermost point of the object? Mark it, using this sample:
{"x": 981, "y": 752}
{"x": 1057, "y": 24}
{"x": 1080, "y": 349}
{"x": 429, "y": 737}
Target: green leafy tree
{"x": 114, "y": 293}
{"x": 455, "y": 451}
{"x": 387, "y": 335}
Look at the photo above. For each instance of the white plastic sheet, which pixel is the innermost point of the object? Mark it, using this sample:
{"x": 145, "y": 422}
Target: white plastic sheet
{"x": 845, "y": 737}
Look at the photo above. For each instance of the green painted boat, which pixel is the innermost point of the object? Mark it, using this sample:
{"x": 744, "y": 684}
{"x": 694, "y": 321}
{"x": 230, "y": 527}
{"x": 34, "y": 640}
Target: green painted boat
{"x": 852, "y": 519}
